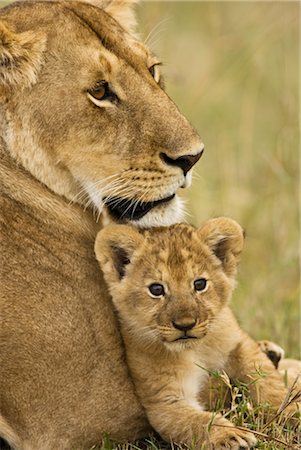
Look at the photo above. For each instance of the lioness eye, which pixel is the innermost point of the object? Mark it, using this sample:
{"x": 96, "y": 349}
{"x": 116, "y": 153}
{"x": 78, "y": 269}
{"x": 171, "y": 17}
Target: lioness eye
{"x": 154, "y": 71}
{"x": 102, "y": 91}
{"x": 156, "y": 290}
{"x": 200, "y": 284}
{"x": 98, "y": 92}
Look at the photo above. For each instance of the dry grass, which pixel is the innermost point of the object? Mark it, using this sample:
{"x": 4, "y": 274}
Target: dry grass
{"x": 232, "y": 67}
{"x": 274, "y": 433}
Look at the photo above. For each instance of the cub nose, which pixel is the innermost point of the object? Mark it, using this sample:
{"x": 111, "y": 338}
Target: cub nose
{"x": 185, "y": 325}
{"x": 184, "y": 162}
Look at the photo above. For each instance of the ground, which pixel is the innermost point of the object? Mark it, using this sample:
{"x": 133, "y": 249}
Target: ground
{"x": 232, "y": 68}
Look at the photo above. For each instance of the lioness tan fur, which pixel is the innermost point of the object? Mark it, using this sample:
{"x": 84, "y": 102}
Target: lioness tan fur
{"x": 66, "y": 150}
{"x": 176, "y": 336}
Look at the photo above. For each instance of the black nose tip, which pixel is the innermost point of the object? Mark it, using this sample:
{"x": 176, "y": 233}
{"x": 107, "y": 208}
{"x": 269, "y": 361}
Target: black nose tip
{"x": 184, "y": 326}
{"x": 185, "y": 162}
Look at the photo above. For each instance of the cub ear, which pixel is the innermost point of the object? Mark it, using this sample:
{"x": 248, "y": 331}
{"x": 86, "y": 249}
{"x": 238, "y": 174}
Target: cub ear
{"x": 21, "y": 56}
{"x": 225, "y": 238}
{"x": 114, "y": 248}
{"x": 121, "y": 10}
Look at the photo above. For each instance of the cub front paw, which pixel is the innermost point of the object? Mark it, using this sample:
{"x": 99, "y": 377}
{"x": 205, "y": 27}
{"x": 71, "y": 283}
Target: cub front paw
{"x": 224, "y": 435}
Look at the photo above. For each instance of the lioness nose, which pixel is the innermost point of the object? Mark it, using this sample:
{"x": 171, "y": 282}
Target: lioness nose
{"x": 184, "y": 326}
{"x": 184, "y": 162}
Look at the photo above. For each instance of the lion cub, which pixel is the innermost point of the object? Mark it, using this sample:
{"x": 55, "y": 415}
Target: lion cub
{"x": 171, "y": 287}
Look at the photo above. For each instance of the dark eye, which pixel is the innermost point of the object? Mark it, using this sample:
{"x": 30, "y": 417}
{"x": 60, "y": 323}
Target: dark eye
{"x": 200, "y": 284}
{"x": 156, "y": 289}
{"x": 102, "y": 91}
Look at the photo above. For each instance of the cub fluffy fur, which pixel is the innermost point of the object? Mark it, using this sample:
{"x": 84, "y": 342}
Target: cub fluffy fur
{"x": 171, "y": 288}
{"x": 63, "y": 149}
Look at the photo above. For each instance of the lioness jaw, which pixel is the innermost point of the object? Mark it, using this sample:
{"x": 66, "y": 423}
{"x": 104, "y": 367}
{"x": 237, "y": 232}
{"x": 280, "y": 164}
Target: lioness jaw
{"x": 121, "y": 139}
{"x": 84, "y": 121}
{"x": 127, "y": 210}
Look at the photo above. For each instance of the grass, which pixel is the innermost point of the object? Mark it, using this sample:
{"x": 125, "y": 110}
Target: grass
{"x": 271, "y": 428}
{"x": 232, "y": 68}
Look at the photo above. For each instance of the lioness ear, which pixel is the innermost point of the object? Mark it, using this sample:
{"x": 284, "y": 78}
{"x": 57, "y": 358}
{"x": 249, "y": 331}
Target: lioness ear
{"x": 225, "y": 238}
{"x": 121, "y": 10}
{"x": 20, "y": 57}
{"x": 114, "y": 248}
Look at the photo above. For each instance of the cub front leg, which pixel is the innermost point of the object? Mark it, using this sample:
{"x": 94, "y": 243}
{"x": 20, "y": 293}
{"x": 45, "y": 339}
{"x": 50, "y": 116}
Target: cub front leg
{"x": 177, "y": 421}
{"x": 249, "y": 364}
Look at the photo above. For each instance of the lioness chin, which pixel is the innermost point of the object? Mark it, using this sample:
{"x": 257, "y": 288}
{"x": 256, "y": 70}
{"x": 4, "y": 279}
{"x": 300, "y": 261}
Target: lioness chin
{"x": 171, "y": 287}
{"x": 85, "y": 125}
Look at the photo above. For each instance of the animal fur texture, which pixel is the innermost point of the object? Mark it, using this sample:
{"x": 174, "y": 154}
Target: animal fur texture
{"x": 176, "y": 337}
{"x": 64, "y": 150}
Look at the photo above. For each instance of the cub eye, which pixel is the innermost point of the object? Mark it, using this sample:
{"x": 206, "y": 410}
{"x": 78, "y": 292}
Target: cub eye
{"x": 200, "y": 284}
{"x": 102, "y": 91}
{"x": 156, "y": 290}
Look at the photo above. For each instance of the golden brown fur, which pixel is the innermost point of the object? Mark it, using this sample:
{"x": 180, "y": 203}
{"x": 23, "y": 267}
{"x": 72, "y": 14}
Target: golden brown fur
{"x": 63, "y": 377}
{"x": 82, "y": 148}
{"x": 169, "y": 371}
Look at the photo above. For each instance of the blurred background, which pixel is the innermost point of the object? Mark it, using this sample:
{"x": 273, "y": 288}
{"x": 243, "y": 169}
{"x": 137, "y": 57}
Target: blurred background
{"x": 233, "y": 70}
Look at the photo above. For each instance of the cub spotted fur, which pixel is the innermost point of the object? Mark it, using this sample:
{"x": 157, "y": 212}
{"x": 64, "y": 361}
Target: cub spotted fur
{"x": 171, "y": 288}
{"x": 85, "y": 125}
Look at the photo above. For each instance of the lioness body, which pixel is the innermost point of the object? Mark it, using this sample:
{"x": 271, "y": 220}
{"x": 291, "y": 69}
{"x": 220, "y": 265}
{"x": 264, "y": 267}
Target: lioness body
{"x": 171, "y": 289}
{"x": 65, "y": 150}
{"x": 64, "y": 328}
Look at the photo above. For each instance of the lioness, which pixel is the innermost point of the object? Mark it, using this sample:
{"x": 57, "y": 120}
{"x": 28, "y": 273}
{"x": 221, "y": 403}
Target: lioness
{"x": 171, "y": 287}
{"x": 84, "y": 123}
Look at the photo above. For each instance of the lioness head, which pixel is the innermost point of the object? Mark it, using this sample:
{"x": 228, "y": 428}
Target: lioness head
{"x": 168, "y": 284}
{"x": 84, "y": 109}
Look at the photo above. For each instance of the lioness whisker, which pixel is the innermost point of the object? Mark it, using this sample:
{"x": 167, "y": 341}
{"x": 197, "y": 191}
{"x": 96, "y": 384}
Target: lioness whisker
{"x": 132, "y": 202}
{"x": 84, "y": 189}
{"x": 118, "y": 200}
{"x": 140, "y": 199}
{"x": 115, "y": 186}
{"x": 115, "y": 191}
{"x": 196, "y": 176}
{"x": 152, "y": 33}
{"x": 125, "y": 190}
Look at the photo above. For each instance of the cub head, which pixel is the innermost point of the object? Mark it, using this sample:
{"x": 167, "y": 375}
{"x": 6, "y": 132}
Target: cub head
{"x": 168, "y": 284}
{"x": 85, "y": 111}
